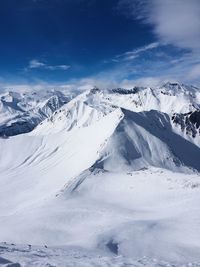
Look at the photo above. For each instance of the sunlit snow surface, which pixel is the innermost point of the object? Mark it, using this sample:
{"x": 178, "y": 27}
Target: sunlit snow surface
{"x": 148, "y": 217}
{"x": 107, "y": 180}
{"x": 12, "y": 255}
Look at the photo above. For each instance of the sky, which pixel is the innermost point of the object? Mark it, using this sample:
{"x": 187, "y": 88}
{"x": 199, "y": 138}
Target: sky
{"x": 105, "y": 43}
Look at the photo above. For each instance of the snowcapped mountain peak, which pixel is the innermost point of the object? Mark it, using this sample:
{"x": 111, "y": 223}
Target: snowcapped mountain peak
{"x": 22, "y": 112}
{"x": 148, "y": 122}
{"x": 123, "y": 91}
{"x": 10, "y": 96}
{"x": 179, "y": 88}
{"x": 172, "y": 86}
{"x": 95, "y": 90}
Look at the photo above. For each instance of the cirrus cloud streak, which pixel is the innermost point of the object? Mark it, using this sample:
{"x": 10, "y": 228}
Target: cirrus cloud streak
{"x": 36, "y": 64}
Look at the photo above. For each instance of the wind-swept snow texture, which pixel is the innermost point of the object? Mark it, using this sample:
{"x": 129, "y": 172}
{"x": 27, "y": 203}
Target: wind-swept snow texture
{"x": 109, "y": 178}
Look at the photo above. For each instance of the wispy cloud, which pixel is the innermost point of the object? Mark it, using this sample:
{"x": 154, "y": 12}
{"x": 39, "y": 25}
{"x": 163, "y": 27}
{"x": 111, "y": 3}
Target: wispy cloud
{"x": 130, "y": 55}
{"x": 175, "y": 22}
{"x": 36, "y": 64}
{"x": 195, "y": 72}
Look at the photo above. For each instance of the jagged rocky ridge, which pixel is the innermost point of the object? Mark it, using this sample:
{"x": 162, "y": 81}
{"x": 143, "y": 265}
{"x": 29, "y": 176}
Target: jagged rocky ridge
{"x": 189, "y": 122}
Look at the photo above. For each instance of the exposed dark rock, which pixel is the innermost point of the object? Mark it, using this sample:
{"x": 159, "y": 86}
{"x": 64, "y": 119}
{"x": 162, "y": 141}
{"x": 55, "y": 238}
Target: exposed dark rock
{"x": 190, "y": 122}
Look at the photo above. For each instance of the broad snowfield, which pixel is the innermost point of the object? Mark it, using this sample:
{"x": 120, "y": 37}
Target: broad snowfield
{"x": 110, "y": 178}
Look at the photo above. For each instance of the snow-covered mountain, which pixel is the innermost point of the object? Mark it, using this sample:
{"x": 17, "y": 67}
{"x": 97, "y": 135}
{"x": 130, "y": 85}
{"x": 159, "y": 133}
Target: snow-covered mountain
{"x": 22, "y": 112}
{"x": 106, "y": 171}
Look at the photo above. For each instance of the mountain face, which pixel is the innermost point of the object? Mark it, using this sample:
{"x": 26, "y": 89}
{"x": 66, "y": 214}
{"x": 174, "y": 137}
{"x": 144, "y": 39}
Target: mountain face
{"x": 21, "y": 113}
{"x": 109, "y": 171}
{"x": 189, "y": 122}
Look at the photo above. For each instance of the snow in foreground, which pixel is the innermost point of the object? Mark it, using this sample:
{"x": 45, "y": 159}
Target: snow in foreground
{"x": 144, "y": 218}
{"x": 24, "y": 256}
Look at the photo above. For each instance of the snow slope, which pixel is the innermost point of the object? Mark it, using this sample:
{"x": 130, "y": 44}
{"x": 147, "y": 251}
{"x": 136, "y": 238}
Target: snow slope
{"x": 118, "y": 214}
{"x": 147, "y": 139}
{"x": 105, "y": 176}
{"x": 46, "y": 163}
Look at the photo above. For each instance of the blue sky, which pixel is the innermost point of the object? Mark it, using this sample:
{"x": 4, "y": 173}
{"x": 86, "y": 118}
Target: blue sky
{"x": 98, "y": 42}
